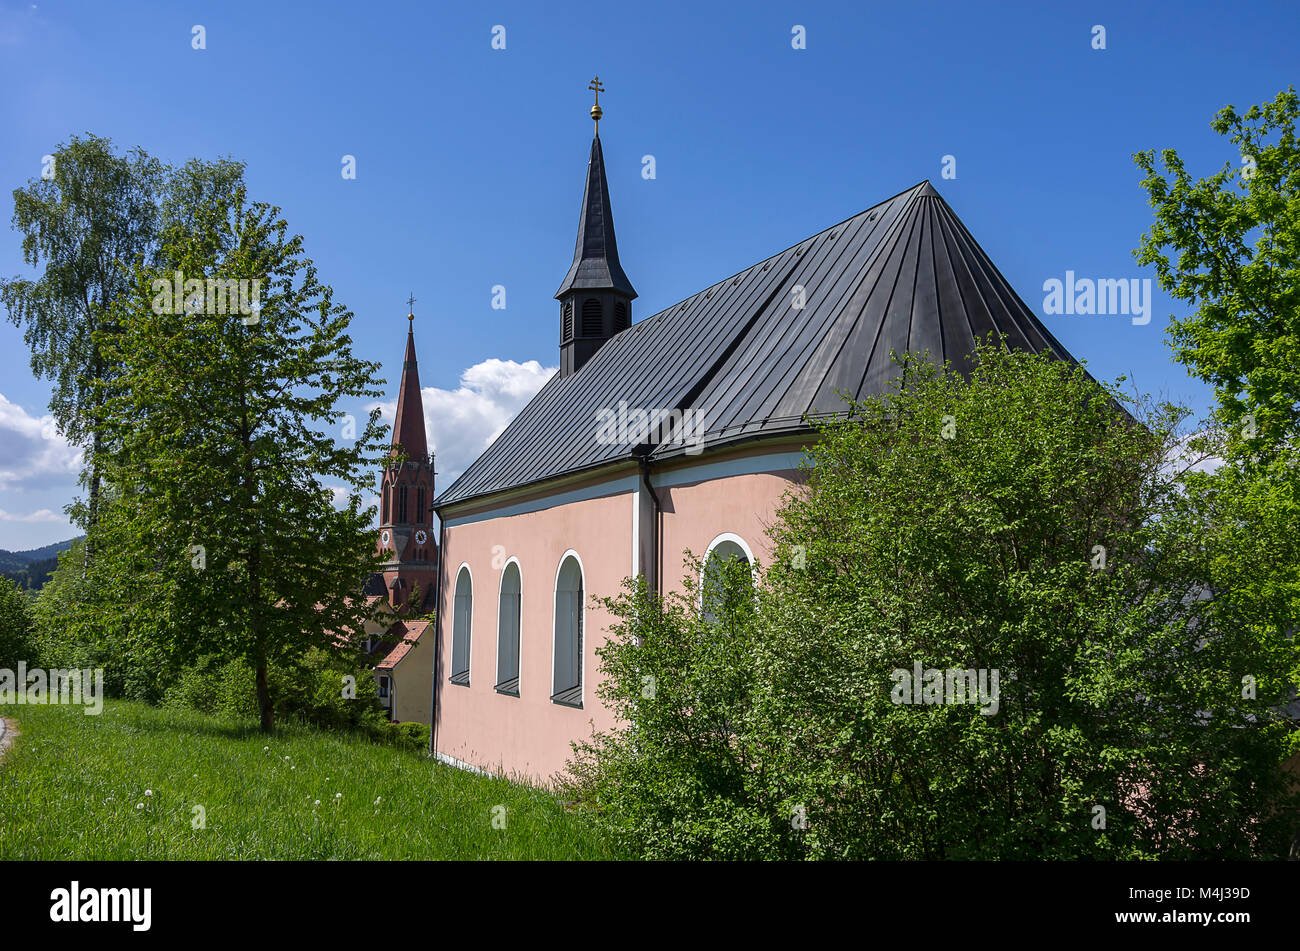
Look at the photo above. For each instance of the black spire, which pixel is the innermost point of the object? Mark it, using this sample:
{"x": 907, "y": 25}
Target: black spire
{"x": 595, "y": 257}
{"x": 595, "y": 296}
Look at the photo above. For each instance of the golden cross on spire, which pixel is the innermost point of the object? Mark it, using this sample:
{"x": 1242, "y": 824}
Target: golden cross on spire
{"x": 596, "y": 112}
{"x": 410, "y": 304}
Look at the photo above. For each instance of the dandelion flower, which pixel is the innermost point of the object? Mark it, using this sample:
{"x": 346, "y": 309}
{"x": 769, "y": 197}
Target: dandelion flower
{"x": 317, "y": 802}
{"x": 148, "y": 792}
{"x": 377, "y": 799}
{"x": 139, "y": 805}
{"x": 338, "y": 795}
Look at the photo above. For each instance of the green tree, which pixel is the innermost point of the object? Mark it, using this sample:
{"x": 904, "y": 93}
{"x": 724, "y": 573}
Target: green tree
{"x": 87, "y": 226}
{"x": 1018, "y": 521}
{"x": 1229, "y": 245}
{"x": 220, "y": 433}
{"x": 15, "y": 626}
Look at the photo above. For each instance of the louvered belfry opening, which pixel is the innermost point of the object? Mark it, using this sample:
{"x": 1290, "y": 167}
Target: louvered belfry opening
{"x": 591, "y": 322}
{"x": 595, "y": 296}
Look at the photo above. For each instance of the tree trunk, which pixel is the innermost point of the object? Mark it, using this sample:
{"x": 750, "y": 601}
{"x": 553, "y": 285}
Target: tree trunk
{"x": 265, "y": 708}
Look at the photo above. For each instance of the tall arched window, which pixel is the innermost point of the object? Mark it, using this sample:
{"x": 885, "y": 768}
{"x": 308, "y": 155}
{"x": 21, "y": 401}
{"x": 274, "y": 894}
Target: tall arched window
{"x": 566, "y": 682}
{"x": 462, "y": 611}
{"x": 401, "y": 504}
{"x": 723, "y": 549}
{"x": 508, "y": 631}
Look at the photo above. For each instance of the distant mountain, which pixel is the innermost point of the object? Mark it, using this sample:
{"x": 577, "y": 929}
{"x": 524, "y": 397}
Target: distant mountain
{"x": 31, "y": 569}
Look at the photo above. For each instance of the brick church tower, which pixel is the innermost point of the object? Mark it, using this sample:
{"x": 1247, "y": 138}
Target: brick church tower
{"x": 406, "y": 496}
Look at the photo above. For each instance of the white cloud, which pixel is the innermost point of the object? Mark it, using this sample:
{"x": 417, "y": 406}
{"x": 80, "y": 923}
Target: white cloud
{"x": 40, "y": 515}
{"x": 461, "y": 423}
{"x": 32, "y": 450}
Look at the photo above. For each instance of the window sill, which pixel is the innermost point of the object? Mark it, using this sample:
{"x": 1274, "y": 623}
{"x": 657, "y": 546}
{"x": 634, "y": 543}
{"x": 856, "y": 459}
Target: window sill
{"x": 571, "y": 697}
{"x": 509, "y": 688}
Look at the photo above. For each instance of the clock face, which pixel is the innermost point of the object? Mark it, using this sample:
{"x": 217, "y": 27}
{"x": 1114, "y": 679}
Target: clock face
{"x": 384, "y": 538}
{"x": 421, "y": 537}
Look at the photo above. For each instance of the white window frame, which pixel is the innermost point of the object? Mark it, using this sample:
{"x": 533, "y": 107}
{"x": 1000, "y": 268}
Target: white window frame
{"x": 704, "y": 564}
{"x": 582, "y": 621}
{"x": 469, "y": 622}
{"x": 519, "y": 633}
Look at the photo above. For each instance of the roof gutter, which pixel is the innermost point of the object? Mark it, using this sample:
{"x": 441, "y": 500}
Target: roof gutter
{"x": 643, "y": 458}
{"x": 437, "y": 638}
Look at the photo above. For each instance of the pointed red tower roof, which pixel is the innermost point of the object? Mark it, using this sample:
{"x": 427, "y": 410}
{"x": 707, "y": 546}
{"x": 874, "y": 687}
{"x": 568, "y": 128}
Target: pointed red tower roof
{"x": 408, "y": 426}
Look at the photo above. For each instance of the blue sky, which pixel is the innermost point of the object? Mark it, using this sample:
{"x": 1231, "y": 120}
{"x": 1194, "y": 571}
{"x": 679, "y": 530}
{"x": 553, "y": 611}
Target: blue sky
{"x": 470, "y": 160}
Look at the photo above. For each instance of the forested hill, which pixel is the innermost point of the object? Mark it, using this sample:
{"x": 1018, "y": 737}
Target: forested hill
{"x": 31, "y": 569}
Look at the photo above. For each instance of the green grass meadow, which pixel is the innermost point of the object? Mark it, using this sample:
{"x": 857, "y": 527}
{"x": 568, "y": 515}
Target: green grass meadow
{"x": 125, "y": 784}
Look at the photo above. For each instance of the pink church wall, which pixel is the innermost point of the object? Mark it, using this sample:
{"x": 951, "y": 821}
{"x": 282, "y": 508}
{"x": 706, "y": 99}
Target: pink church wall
{"x": 697, "y": 513}
{"x": 530, "y": 735}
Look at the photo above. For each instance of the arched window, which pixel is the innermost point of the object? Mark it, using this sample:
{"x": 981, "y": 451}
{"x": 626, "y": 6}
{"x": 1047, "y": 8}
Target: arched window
{"x": 566, "y": 682}
{"x": 401, "y": 504}
{"x": 722, "y": 550}
{"x": 508, "y": 631}
{"x": 383, "y": 499}
{"x": 462, "y": 611}
{"x": 419, "y": 505}
{"x": 591, "y": 322}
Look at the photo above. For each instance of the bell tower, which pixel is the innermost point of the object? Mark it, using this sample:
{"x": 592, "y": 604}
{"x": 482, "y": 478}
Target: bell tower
{"x": 595, "y": 296}
{"x": 406, "y": 494}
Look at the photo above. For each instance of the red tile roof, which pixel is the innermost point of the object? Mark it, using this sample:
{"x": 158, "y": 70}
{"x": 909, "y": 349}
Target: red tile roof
{"x": 404, "y": 635}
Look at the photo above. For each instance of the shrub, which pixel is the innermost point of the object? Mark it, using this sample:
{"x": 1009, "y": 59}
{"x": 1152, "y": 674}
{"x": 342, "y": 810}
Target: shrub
{"x": 1015, "y": 520}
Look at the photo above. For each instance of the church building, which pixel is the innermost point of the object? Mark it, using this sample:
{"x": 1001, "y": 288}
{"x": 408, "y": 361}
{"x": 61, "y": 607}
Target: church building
{"x": 400, "y": 653}
{"x": 676, "y": 432}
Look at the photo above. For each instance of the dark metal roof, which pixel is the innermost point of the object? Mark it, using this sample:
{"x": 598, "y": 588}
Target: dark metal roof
{"x": 595, "y": 257}
{"x": 902, "y": 275}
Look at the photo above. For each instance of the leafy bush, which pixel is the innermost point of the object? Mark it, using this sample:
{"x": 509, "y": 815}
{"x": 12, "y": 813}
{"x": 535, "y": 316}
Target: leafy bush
{"x": 15, "y": 626}
{"x": 312, "y": 691}
{"x": 1013, "y": 520}
{"x": 408, "y": 736}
